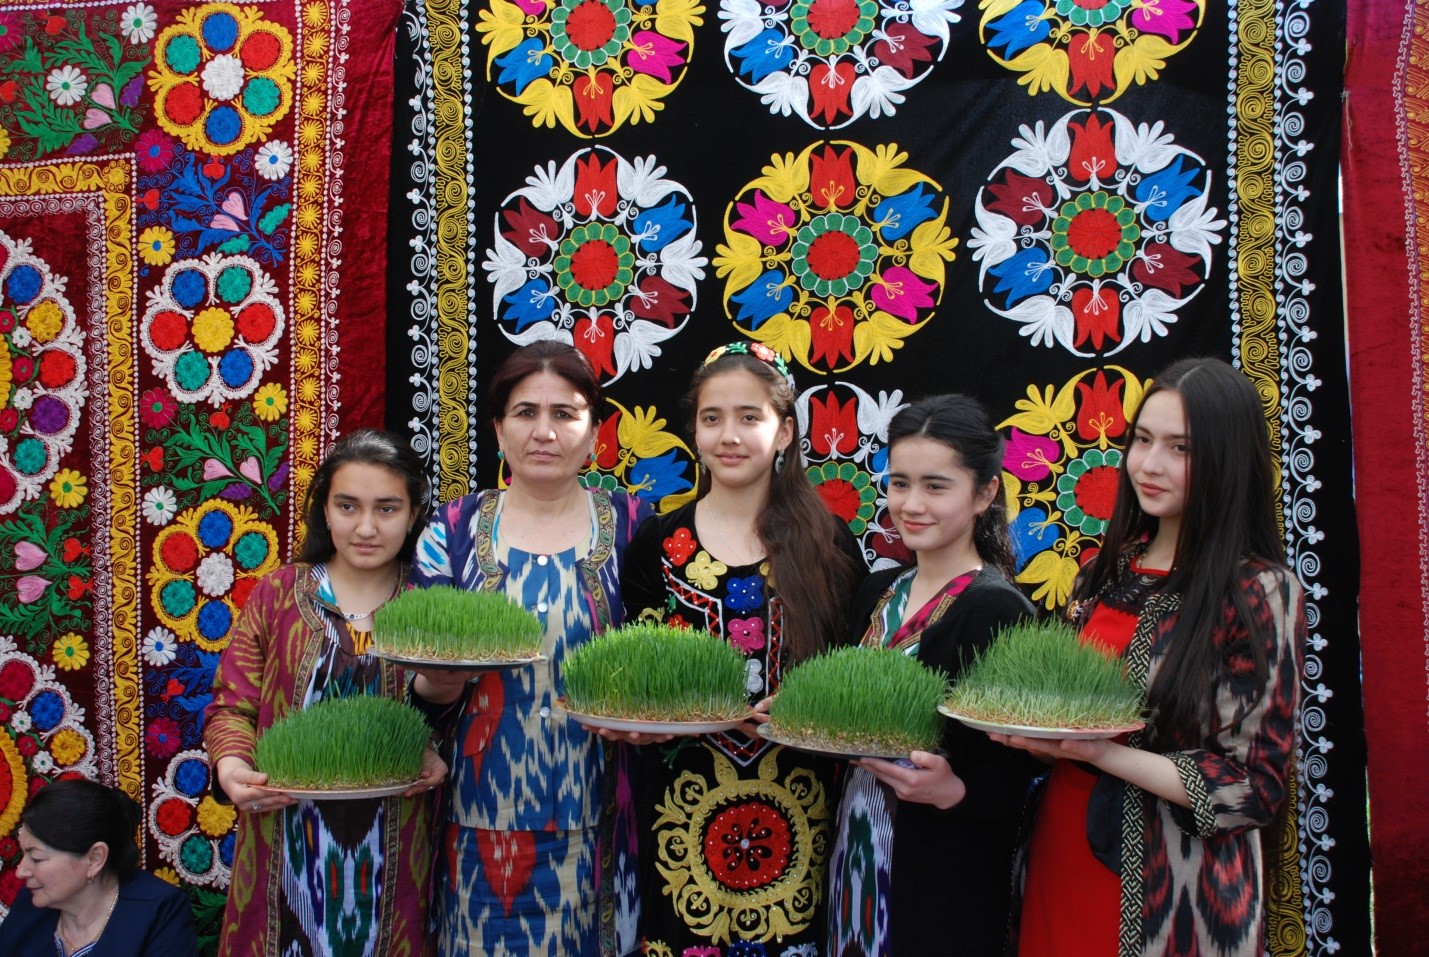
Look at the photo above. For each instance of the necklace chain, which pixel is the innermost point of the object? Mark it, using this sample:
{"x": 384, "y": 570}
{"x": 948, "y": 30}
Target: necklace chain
{"x": 71, "y": 946}
{"x": 733, "y": 552}
{"x": 353, "y": 616}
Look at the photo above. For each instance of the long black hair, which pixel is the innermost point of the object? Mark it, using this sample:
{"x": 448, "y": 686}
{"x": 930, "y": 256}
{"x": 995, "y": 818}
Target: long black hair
{"x": 812, "y": 574}
{"x": 1228, "y": 518}
{"x": 962, "y": 424}
{"x": 363, "y": 447}
{"x": 72, "y": 816}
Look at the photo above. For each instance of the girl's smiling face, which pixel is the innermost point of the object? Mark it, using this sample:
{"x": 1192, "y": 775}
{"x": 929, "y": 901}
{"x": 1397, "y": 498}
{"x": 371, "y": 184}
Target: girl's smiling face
{"x": 737, "y": 430}
{"x": 934, "y": 499}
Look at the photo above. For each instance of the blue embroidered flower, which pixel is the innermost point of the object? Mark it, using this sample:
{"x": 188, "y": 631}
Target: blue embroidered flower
{"x": 1019, "y": 28}
{"x": 657, "y": 228}
{"x": 654, "y": 478}
{"x": 765, "y": 297}
{"x": 767, "y": 53}
{"x": 533, "y": 302}
{"x": 1031, "y": 534}
{"x": 901, "y": 214}
{"x": 1167, "y": 190}
{"x": 525, "y": 63}
{"x": 745, "y": 594}
{"x": 1025, "y": 274}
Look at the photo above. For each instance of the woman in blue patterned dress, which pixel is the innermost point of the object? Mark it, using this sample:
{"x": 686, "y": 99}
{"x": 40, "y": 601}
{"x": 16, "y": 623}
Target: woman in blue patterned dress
{"x": 517, "y": 865}
{"x": 735, "y": 831}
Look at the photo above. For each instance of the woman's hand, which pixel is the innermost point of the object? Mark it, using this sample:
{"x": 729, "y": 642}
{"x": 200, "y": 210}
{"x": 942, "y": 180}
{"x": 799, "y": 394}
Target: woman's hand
{"x": 244, "y": 787}
{"x": 750, "y": 728}
{"x": 631, "y": 737}
{"x": 1151, "y": 772}
{"x": 923, "y": 778}
{"x": 1090, "y": 751}
{"x": 434, "y": 772}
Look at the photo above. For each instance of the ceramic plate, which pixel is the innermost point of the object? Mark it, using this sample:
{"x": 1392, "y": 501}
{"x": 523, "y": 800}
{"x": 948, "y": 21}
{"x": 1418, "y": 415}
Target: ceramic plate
{"x": 768, "y": 735}
{"x": 339, "y": 794}
{"x": 1032, "y": 731}
{"x": 449, "y": 664}
{"x": 650, "y": 727}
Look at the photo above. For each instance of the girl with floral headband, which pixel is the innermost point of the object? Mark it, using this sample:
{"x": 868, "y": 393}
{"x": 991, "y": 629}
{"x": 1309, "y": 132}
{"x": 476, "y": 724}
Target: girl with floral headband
{"x": 734, "y": 830}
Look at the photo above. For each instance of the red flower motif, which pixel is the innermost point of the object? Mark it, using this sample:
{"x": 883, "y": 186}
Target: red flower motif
{"x": 73, "y": 548}
{"x": 595, "y": 338}
{"x": 840, "y": 498}
{"x": 607, "y": 442}
{"x": 596, "y": 193}
{"x": 10, "y": 885}
{"x": 9, "y": 419}
{"x": 9, "y": 90}
{"x": 680, "y": 546}
{"x": 164, "y": 737}
{"x": 16, "y": 680}
{"x": 1099, "y": 413}
{"x": 154, "y": 458}
{"x": 903, "y": 46}
{"x": 659, "y": 301}
{"x": 834, "y": 429}
{"x": 830, "y": 90}
{"x": 1022, "y": 199}
{"x": 77, "y": 587}
{"x": 677, "y": 621}
{"x": 1098, "y": 313}
{"x": 831, "y": 182}
{"x": 220, "y": 420}
{"x": 748, "y": 845}
{"x": 213, "y": 169}
{"x": 531, "y": 231}
{"x": 1090, "y": 56}
{"x": 157, "y": 407}
{"x": 1093, "y": 152}
{"x": 9, "y": 847}
{"x": 1165, "y": 267}
{"x": 832, "y": 335}
{"x": 27, "y": 745}
{"x": 595, "y": 94}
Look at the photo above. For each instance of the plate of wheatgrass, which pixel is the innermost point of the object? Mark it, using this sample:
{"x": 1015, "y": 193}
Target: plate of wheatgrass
{"x": 453, "y": 629}
{"x": 363, "y": 746}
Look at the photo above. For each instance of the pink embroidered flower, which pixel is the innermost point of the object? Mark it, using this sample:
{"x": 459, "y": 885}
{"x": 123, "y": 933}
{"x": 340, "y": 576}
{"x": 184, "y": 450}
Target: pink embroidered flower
{"x": 28, "y": 556}
{"x": 746, "y": 634}
{"x": 902, "y": 293}
{"x": 1030, "y": 457}
{"x": 767, "y": 221}
{"x": 30, "y": 587}
{"x": 655, "y": 54}
{"x": 1166, "y": 17}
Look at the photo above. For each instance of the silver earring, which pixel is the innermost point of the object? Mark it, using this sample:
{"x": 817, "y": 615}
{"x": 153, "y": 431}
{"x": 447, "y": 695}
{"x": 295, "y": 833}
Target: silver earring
{"x": 779, "y": 461}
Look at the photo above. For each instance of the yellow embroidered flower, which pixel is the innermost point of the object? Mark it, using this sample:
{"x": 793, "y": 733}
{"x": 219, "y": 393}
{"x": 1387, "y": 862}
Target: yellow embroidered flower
{"x": 215, "y": 819}
{"x": 67, "y": 747}
{"x": 168, "y": 875}
{"x": 270, "y": 402}
{"x": 213, "y": 329}
{"x": 68, "y": 489}
{"x": 156, "y": 246}
{"x": 704, "y": 571}
{"x": 4, "y": 143}
{"x": 70, "y": 652}
{"x": 45, "y": 321}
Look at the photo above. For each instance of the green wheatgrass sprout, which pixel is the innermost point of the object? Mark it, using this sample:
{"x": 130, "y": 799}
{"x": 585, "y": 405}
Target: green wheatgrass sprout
{"x": 1040, "y": 674}
{"x": 363, "y": 741}
{"x": 865, "y": 700}
{"x": 443, "y": 623}
{"x": 656, "y": 672}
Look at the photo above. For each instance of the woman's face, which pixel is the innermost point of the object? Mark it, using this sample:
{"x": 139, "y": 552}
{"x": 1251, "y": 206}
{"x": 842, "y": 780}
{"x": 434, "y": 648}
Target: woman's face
{"x": 546, "y": 431}
{"x": 934, "y": 499}
{"x": 1159, "y": 456}
{"x": 369, "y": 515}
{"x": 52, "y": 876}
{"x": 737, "y": 429}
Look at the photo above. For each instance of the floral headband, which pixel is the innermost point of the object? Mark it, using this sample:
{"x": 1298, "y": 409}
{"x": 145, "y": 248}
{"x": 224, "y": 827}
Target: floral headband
{"x": 758, "y": 351}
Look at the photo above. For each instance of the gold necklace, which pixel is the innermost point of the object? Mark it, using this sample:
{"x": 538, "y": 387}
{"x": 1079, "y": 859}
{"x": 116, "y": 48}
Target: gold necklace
{"x": 71, "y": 946}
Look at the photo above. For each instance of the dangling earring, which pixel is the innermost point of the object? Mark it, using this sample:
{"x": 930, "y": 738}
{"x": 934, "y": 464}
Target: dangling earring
{"x": 500, "y": 454}
{"x": 779, "y": 461}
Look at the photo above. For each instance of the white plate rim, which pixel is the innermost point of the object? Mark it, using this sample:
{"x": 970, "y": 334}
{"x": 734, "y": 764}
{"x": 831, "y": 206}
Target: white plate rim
{"x": 338, "y": 794}
{"x": 457, "y": 664}
{"x": 1034, "y": 731}
{"x": 610, "y": 723}
{"x": 769, "y": 736}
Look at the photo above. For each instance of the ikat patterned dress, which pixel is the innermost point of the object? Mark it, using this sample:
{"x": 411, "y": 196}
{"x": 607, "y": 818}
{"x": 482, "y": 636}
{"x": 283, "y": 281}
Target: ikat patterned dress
{"x": 347, "y": 877}
{"x": 519, "y": 871}
{"x": 734, "y": 831}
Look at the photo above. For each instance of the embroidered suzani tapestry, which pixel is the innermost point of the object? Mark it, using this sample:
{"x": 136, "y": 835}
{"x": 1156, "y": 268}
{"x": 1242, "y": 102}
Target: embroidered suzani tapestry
{"x": 1040, "y": 202}
{"x": 181, "y": 283}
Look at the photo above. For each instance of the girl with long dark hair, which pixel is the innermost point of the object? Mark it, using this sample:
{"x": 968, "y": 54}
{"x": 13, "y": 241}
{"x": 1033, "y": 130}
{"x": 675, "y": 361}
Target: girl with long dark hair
{"x": 734, "y": 830}
{"x": 922, "y": 863}
{"x": 1153, "y": 845}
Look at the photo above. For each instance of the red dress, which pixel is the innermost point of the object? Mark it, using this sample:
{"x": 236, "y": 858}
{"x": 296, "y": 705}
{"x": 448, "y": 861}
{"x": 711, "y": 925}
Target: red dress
{"x": 1071, "y": 904}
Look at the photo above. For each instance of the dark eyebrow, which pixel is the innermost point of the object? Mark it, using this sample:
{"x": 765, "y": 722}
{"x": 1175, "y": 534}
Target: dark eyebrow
{"x": 528, "y": 404}
{"x": 389, "y": 500}
{"x": 1141, "y": 430}
{"x": 930, "y": 477}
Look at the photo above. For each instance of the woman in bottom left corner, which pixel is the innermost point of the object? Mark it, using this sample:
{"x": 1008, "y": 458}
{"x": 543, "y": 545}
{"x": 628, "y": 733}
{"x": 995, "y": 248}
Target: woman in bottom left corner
{"x": 83, "y": 894}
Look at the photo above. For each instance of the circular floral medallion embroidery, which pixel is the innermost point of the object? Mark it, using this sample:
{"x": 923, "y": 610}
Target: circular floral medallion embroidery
{"x": 760, "y": 842}
{"x": 1095, "y": 232}
{"x": 1087, "y": 50}
{"x": 835, "y": 256}
{"x": 600, "y": 253}
{"x": 212, "y": 327}
{"x": 222, "y": 77}
{"x": 42, "y": 374}
{"x": 204, "y": 565}
{"x": 830, "y": 62}
{"x": 634, "y": 450}
{"x": 1060, "y": 471}
{"x": 193, "y": 831}
{"x": 846, "y": 445}
{"x": 590, "y": 65}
